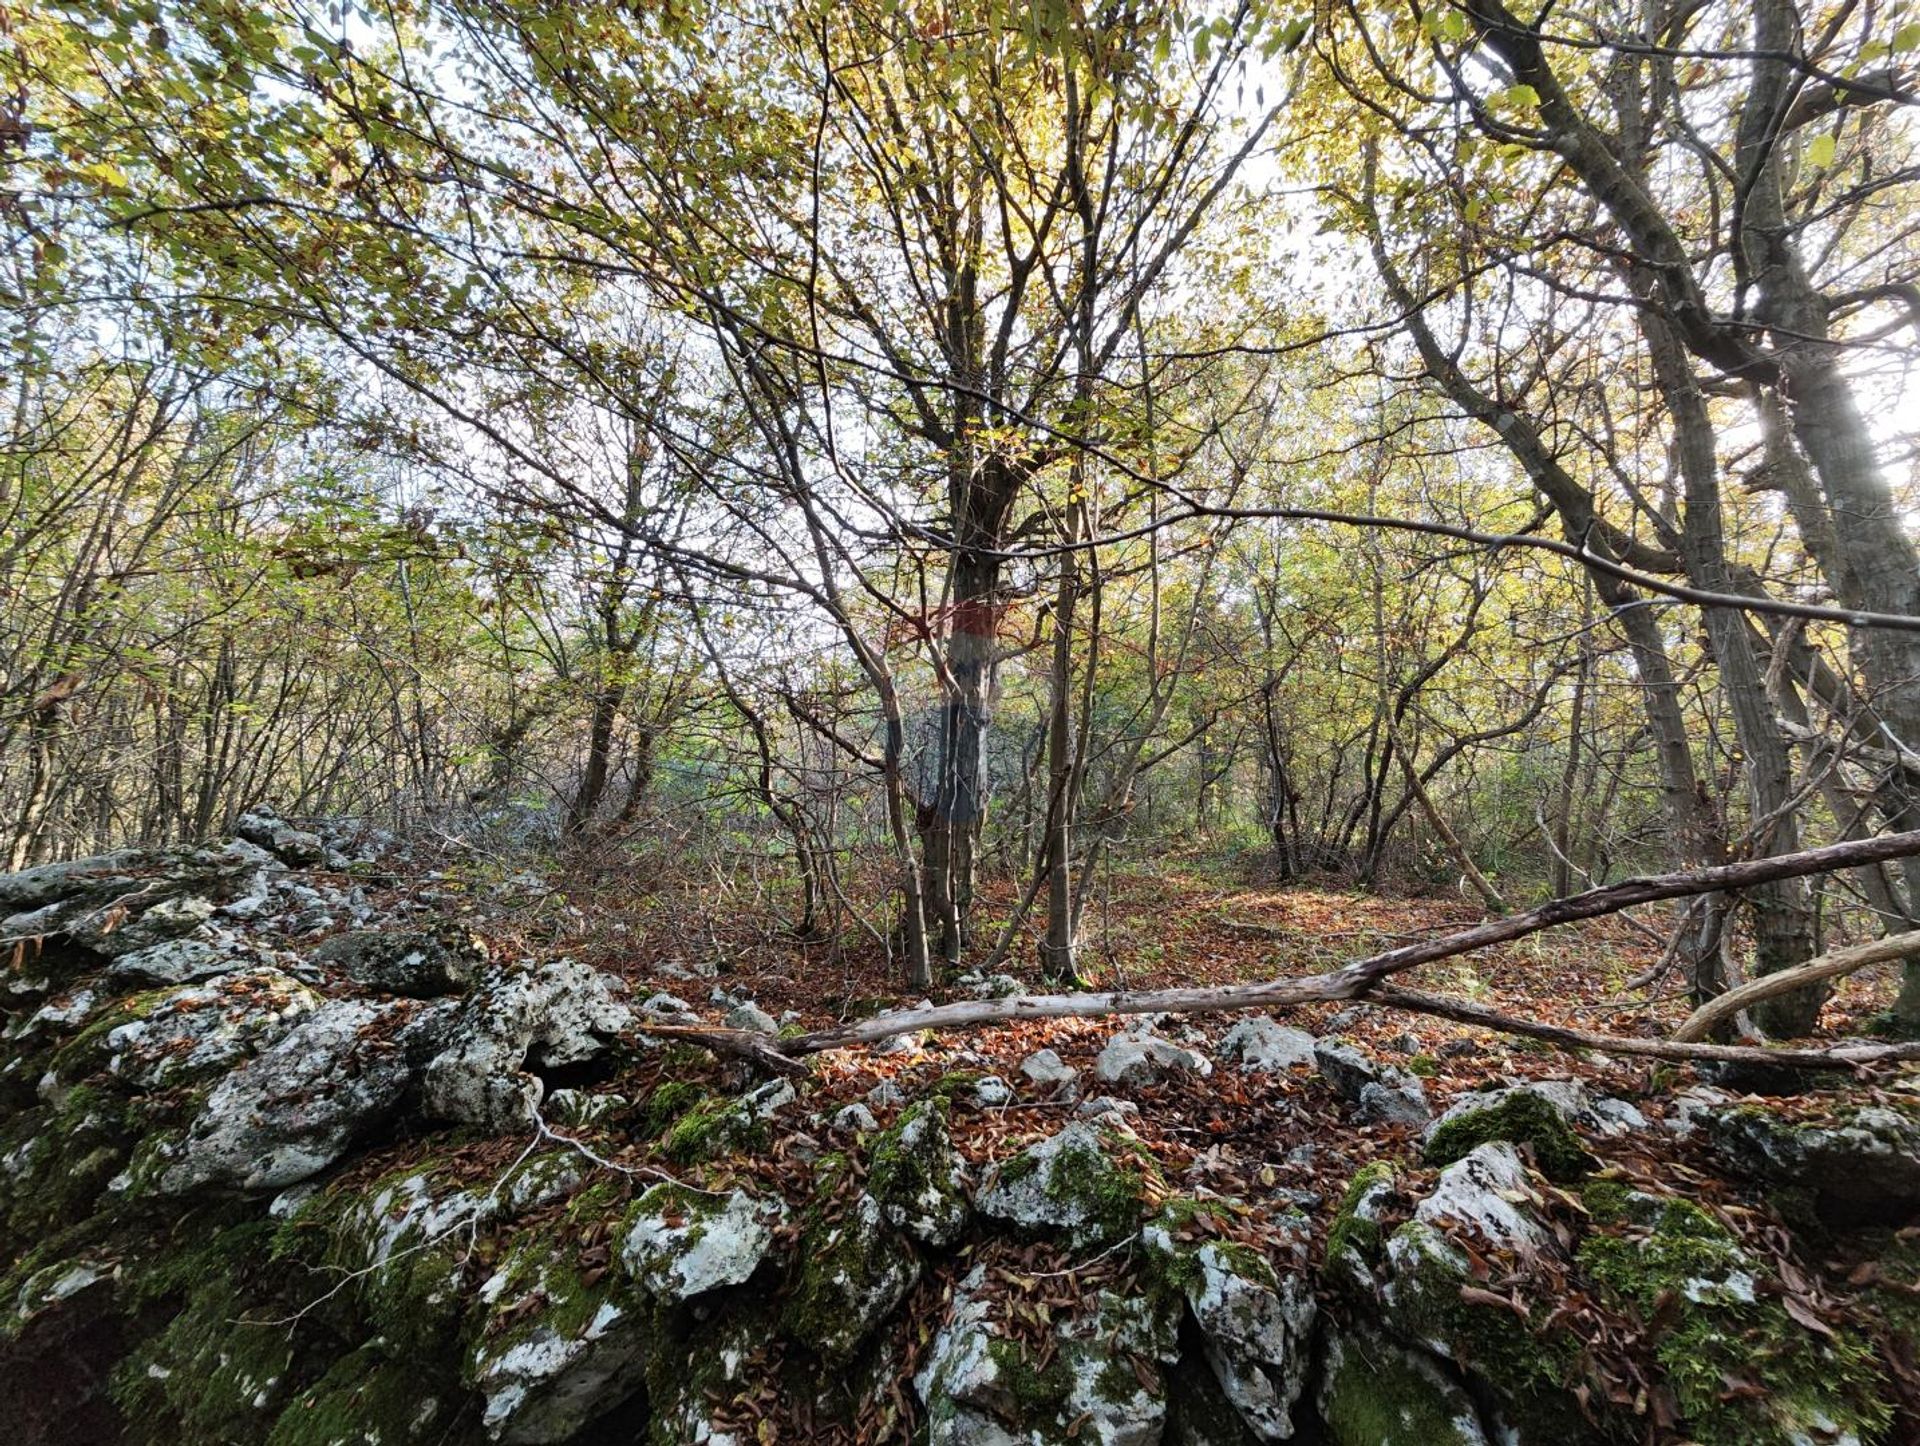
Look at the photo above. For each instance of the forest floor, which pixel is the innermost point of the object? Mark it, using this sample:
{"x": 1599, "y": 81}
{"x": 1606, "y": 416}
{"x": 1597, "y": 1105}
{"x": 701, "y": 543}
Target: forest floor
{"x": 1271, "y": 1144}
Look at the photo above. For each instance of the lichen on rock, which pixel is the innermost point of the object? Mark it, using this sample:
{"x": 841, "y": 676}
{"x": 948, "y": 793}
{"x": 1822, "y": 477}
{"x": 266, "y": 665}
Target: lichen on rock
{"x": 678, "y": 1243}
{"x": 853, "y": 1270}
{"x": 1083, "y": 1184}
{"x": 916, "y": 1175}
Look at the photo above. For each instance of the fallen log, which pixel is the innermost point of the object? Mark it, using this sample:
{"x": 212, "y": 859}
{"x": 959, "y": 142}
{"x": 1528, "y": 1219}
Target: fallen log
{"x": 1830, "y": 965}
{"x": 1351, "y": 981}
{"x": 1840, "y": 1057}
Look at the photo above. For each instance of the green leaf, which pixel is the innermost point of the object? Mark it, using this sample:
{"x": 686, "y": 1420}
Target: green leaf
{"x": 1820, "y": 150}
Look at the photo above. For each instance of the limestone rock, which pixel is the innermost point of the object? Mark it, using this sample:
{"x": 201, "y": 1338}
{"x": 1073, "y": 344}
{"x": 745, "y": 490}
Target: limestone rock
{"x": 1046, "y": 1069}
{"x": 1381, "y": 1094}
{"x": 855, "y": 1119}
{"x": 1346, "y": 1067}
{"x": 1070, "y": 1185}
{"x": 1569, "y": 1098}
{"x": 206, "y": 954}
{"x": 570, "y": 1351}
{"x": 680, "y": 1243}
{"x": 917, "y": 1176}
{"x": 1256, "y": 1320}
{"x": 558, "y": 1013}
{"x": 1376, "y": 1392}
{"x": 1145, "y": 1059}
{"x": 198, "y": 1030}
{"x": 980, "y": 1388}
{"x": 1259, "y": 1045}
{"x": 990, "y": 1092}
{"x": 289, "y": 1112}
{"x": 1859, "y": 1161}
{"x": 854, "y": 1270}
{"x": 753, "y": 1018}
{"x": 131, "y": 900}
{"x": 413, "y": 965}
{"x": 266, "y": 829}
{"x": 1534, "y": 1115}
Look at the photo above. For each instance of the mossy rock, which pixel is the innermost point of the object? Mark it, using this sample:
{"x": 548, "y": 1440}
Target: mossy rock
{"x": 854, "y": 1269}
{"x": 666, "y": 1105}
{"x": 714, "y": 1127}
{"x": 915, "y": 1175}
{"x": 555, "y": 1340}
{"x": 1530, "y": 1374}
{"x": 1375, "y": 1392}
{"x": 228, "y": 1358}
{"x": 369, "y": 1398}
{"x": 1084, "y": 1184}
{"x": 1355, "y": 1237}
{"x": 1519, "y": 1117}
{"x": 1722, "y": 1332}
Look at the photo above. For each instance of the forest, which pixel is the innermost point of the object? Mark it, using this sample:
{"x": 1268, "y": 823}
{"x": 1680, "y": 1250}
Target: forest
{"x": 960, "y": 721}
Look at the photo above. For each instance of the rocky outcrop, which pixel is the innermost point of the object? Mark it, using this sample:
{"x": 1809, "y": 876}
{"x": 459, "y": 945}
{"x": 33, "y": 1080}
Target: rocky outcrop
{"x": 264, "y": 1189}
{"x": 1861, "y": 1162}
{"x": 1379, "y": 1093}
{"x": 1082, "y": 1185}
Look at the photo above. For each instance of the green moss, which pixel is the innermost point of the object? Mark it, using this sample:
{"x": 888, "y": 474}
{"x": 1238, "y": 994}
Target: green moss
{"x": 1606, "y": 1201}
{"x": 953, "y": 1082}
{"x": 711, "y": 1129}
{"x": 365, "y": 1399}
{"x": 1380, "y": 1395}
{"x": 1684, "y": 1270}
{"x": 913, "y": 1172}
{"x": 1522, "y": 1118}
{"x": 852, "y": 1271}
{"x": 1100, "y": 1193}
{"x": 218, "y": 1370}
{"x": 1351, "y": 1233}
{"x": 1039, "y": 1390}
{"x": 1532, "y": 1374}
{"x": 666, "y": 1105}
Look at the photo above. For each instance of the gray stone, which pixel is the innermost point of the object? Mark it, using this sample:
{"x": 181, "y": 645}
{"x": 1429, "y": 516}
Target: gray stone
{"x": 1100, "y": 1105}
{"x": 854, "y": 1269}
{"x": 992, "y": 1093}
{"x": 1146, "y": 1059}
{"x": 753, "y": 1018}
{"x": 415, "y": 965}
{"x": 855, "y": 1119}
{"x": 669, "y": 1005}
{"x": 979, "y": 1390}
{"x": 681, "y": 1243}
{"x": 1259, "y": 1044}
{"x": 1346, "y": 1067}
{"x": 1364, "y": 1371}
{"x": 1256, "y": 1320}
{"x": 180, "y": 961}
{"x": 1381, "y": 1094}
{"x": 559, "y": 1013}
{"x": 1047, "y": 1070}
{"x": 1401, "y": 1101}
{"x": 199, "y": 1030}
{"x": 285, "y": 1115}
{"x": 265, "y": 829}
{"x": 1860, "y": 1161}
